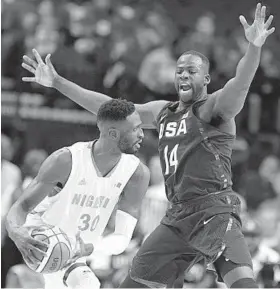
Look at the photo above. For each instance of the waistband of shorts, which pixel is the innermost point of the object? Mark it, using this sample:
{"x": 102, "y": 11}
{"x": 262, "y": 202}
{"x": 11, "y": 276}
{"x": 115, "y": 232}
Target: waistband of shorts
{"x": 210, "y": 196}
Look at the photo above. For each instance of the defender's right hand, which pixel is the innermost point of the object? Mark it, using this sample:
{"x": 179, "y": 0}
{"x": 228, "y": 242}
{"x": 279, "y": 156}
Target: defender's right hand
{"x": 28, "y": 245}
{"x": 44, "y": 72}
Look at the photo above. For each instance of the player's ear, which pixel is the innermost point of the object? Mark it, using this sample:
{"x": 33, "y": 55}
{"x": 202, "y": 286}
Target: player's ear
{"x": 114, "y": 134}
{"x": 207, "y": 79}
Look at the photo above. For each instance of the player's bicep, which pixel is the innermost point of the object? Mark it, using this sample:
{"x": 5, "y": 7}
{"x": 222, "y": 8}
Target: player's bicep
{"x": 55, "y": 169}
{"x": 135, "y": 191}
{"x": 149, "y": 112}
{"x": 230, "y": 99}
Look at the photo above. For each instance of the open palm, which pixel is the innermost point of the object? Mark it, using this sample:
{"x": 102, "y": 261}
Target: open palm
{"x": 44, "y": 73}
{"x": 258, "y": 31}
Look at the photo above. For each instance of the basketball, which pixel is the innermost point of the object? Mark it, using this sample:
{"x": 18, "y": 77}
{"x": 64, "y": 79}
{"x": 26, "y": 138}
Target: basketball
{"x": 58, "y": 253}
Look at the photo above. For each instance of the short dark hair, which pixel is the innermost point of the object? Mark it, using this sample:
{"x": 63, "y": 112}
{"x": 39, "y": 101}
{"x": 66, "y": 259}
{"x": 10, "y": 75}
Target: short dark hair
{"x": 204, "y": 59}
{"x": 115, "y": 110}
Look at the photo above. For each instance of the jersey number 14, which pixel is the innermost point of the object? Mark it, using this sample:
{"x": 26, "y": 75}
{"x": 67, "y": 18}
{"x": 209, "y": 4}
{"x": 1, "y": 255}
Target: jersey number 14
{"x": 172, "y": 160}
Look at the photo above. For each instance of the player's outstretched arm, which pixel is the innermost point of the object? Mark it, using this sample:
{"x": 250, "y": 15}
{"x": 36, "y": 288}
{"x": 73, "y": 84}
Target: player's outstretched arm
{"x": 127, "y": 213}
{"x": 55, "y": 169}
{"x": 46, "y": 75}
{"x": 230, "y": 100}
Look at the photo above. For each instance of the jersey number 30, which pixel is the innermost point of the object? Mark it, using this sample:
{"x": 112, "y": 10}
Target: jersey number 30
{"x": 88, "y": 223}
{"x": 172, "y": 160}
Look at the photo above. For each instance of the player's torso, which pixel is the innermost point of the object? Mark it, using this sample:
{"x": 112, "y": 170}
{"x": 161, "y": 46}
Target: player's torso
{"x": 195, "y": 156}
{"x": 87, "y": 201}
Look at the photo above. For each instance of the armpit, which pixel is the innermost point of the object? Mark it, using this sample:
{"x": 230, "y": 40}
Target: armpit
{"x": 216, "y": 120}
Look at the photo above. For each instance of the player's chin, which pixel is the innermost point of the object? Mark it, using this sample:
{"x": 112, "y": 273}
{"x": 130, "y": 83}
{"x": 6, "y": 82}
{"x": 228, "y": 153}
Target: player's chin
{"x": 186, "y": 96}
{"x": 132, "y": 150}
{"x": 136, "y": 148}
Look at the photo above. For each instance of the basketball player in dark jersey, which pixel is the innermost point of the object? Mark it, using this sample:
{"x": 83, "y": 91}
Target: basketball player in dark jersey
{"x": 195, "y": 144}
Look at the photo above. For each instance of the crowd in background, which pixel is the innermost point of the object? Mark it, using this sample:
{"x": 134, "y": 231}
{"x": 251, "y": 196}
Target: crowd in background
{"x": 128, "y": 49}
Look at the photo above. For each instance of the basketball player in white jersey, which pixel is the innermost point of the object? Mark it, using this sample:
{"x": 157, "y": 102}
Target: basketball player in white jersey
{"x": 77, "y": 189}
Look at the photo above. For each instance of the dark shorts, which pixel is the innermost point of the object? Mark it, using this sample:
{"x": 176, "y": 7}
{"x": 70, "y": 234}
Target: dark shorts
{"x": 166, "y": 254}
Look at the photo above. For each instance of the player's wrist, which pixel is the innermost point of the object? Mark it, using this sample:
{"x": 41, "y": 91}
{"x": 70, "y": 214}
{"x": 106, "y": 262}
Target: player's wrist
{"x": 15, "y": 232}
{"x": 57, "y": 81}
{"x": 255, "y": 45}
{"x": 254, "y": 48}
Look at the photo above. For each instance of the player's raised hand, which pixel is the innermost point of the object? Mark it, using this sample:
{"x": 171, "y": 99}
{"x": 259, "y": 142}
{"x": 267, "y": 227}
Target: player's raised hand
{"x": 259, "y": 30}
{"x": 44, "y": 73}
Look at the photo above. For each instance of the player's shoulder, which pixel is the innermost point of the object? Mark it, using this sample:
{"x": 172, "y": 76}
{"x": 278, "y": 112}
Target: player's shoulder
{"x": 207, "y": 112}
{"x": 57, "y": 166}
{"x": 155, "y": 106}
{"x": 80, "y": 146}
{"x": 61, "y": 156}
{"x": 163, "y": 113}
{"x": 211, "y": 99}
{"x": 141, "y": 173}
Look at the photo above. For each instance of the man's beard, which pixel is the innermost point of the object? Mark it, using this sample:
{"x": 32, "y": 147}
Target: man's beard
{"x": 124, "y": 147}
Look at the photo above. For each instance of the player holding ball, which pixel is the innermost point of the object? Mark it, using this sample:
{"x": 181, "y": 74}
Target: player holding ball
{"x": 196, "y": 136}
{"x": 76, "y": 190}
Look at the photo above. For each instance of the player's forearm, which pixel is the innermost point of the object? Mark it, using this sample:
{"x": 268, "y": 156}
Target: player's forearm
{"x": 113, "y": 244}
{"x": 248, "y": 66}
{"x": 16, "y": 218}
{"x": 117, "y": 242}
{"x": 88, "y": 99}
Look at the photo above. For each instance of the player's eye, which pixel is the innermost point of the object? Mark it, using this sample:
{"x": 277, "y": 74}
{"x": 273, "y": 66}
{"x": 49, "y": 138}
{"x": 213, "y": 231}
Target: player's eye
{"x": 179, "y": 70}
{"x": 137, "y": 127}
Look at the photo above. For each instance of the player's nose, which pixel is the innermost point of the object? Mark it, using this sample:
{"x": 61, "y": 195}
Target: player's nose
{"x": 141, "y": 133}
{"x": 184, "y": 75}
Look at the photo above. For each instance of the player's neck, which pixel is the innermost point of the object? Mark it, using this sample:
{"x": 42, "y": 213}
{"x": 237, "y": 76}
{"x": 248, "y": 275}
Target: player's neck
{"x": 184, "y": 105}
{"x": 104, "y": 149}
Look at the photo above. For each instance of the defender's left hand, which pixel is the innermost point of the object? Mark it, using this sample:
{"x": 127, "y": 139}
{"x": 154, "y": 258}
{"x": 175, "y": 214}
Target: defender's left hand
{"x": 258, "y": 31}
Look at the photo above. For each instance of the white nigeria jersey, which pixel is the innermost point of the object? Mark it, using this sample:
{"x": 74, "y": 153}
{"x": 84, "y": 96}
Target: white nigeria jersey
{"x": 87, "y": 200}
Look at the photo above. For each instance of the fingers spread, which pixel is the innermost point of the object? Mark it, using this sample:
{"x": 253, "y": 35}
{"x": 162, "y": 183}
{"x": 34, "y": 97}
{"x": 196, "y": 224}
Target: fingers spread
{"x": 270, "y": 31}
{"x": 263, "y": 9}
{"x": 30, "y": 61}
{"x": 37, "y": 56}
{"x": 29, "y": 258}
{"x": 29, "y": 79}
{"x": 243, "y": 21}
{"x": 258, "y": 12}
{"x": 39, "y": 244}
{"x": 37, "y": 250}
{"x": 268, "y": 22}
{"x": 29, "y": 68}
{"x": 48, "y": 60}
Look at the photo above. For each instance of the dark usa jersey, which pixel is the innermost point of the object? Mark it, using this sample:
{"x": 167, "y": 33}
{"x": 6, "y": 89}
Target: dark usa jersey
{"x": 195, "y": 156}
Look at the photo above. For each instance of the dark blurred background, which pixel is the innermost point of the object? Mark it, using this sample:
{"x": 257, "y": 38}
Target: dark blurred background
{"x": 128, "y": 49}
